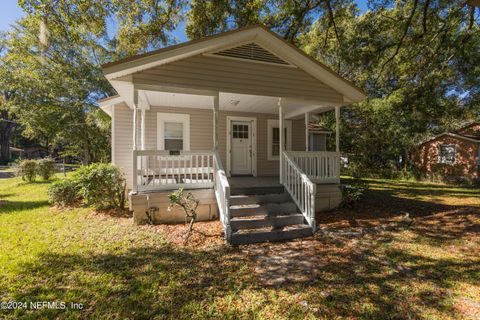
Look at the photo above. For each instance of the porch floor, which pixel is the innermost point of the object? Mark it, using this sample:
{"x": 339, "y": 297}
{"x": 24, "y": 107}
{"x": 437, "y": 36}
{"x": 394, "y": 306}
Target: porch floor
{"x": 255, "y": 182}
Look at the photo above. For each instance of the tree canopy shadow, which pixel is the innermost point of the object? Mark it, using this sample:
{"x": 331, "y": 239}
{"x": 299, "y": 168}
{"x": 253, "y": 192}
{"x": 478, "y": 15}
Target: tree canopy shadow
{"x": 342, "y": 279}
{"x": 381, "y": 205}
{"x": 143, "y": 283}
{"x": 8, "y": 206}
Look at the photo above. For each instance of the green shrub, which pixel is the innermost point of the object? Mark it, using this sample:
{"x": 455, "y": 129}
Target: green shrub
{"x": 63, "y": 192}
{"x": 27, "y": 169}
{"x": 101, "y": 185}
{"x": 352, "y": 192}
{"x": 46, "y": 168}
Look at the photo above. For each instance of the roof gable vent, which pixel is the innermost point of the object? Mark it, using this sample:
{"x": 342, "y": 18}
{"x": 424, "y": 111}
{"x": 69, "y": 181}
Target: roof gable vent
{"x": 251, "y": 51}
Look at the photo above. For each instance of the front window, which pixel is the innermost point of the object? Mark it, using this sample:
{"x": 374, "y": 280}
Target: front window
{"x": 173, "y": 136}
{"x": 274, "y": 138}
{"x": 173, "y": 131}
{"x": 276, "y": 141}
{"x": 447, "y": 153}
{"x": 317, "y": 141}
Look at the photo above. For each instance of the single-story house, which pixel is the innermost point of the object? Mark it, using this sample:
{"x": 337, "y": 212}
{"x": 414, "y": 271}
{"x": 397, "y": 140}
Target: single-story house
{"x": 207, "y": 116}
{"x": 451, "y": 155}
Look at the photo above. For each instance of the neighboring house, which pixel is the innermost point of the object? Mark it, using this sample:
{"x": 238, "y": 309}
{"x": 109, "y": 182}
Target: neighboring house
{"x": 206, "y": 116}
{"x": 15, "y": 153}
{"x": 451, "y": 155}
{"x": 34, "y": 152}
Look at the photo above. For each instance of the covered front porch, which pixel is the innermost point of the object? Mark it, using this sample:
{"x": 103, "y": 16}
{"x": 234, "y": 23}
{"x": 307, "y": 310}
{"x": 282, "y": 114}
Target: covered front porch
{"x": 175, "y": 146}
{"x": 158, "y": 170}
{"x": 294, "y": 167}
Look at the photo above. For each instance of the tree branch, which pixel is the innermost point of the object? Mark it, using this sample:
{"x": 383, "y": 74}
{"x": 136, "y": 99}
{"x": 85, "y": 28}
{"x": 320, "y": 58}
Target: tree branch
{"x": 332, "y": 20}
{"x": 425, "y": 13}
{"x": 471, "y": 17}
{"x": 400, "y": 43}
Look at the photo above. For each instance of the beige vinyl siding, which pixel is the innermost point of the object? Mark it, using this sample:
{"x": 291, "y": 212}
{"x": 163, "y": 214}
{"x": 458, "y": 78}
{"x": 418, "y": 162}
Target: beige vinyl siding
{"x": 229, "y": 75}
{"x": 201, "y": 127}
{"x": 201, "y": 135}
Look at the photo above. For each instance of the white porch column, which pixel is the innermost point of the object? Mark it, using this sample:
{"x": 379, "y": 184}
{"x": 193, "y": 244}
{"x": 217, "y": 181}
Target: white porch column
{"x": 215, "y": 121}
{"x": 134, "y": 152}
{"x": 135, "y": 108}
{"x": 134, "y": 127}
{"x": 307, "y": 117}
{"x": 142, "y": 130}
{"x": 282, "y": 136}
{"x": 337, "y": 129}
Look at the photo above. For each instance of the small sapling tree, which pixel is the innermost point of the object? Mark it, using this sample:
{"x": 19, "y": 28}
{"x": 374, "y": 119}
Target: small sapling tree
{"x": 188, "y": 203}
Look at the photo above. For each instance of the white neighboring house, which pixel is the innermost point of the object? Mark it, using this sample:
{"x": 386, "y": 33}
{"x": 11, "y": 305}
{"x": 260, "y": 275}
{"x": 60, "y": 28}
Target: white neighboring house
{"x": 206, "y": 116}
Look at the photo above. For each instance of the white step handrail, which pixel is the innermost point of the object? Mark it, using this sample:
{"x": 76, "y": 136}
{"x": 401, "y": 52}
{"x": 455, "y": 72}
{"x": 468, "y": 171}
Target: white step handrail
{"x": 222, "y": 193}
{"x": 319, "y": 166}
{"x": 301, "y": 189}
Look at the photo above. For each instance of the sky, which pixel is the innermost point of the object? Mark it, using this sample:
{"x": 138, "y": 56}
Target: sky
{"x": 11, "y": 11}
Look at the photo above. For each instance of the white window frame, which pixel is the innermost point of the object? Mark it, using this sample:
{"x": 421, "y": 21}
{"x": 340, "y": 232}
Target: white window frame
{"x": 173, "y": 117}
{"x": 276, "y": 124}
{"x": 441, "y": 159}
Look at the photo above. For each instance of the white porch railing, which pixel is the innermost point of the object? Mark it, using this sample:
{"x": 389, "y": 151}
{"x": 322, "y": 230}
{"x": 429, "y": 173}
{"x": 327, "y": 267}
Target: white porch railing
{"x": 158, "y": 170}
{"x": 320, "y": 167}
{"x": 222, "y": 193}
{"x": 300, "y": 187}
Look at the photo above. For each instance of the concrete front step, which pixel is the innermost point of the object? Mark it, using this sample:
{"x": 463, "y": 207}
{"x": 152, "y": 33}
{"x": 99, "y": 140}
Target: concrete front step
{"x": 260, "y": 199}
{"x": 273, "y": 222}
{"x": 262, "y": 209}
{"x": 300, "y": 231}
{"x": 264, "y": 214}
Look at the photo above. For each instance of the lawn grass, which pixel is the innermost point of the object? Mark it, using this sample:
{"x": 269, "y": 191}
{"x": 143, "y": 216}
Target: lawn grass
{"x": 120, "y": 271}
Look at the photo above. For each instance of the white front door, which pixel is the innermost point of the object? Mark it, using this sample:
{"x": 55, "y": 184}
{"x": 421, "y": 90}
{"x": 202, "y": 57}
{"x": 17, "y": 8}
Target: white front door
{"x": 241, "y": 147}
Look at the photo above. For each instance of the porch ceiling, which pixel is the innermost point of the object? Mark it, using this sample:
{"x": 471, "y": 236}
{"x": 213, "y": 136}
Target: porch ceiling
{"x": 233, "y": 102}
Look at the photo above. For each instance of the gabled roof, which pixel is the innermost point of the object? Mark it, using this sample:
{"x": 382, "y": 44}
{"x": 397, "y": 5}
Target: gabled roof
{"x": 473, "y": 124}
{"x": 457, "y": 134}
{"x": 454, "y": 135}
{"x": 256, "y": 34}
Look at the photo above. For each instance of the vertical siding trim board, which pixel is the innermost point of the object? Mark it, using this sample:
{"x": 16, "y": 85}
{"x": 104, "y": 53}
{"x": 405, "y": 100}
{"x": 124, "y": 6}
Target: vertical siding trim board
{"x": 254, "y": 142}
{"x": 112, "y": 139}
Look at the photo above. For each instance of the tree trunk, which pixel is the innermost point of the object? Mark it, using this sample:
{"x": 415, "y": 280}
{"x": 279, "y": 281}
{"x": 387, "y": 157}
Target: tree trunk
{"x": 87, "y": 155}
{"x": 6, "y": 128}
{"x": 5, "y": 146}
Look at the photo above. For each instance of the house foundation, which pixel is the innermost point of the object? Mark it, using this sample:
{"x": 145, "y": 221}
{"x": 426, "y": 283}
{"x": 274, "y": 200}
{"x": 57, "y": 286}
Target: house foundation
{"x": 140, "y": 204}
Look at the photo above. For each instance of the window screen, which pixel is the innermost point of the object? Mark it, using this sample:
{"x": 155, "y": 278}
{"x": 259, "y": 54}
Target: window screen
{"x": 173, "y": 136}
{"x": 447, "y": 153}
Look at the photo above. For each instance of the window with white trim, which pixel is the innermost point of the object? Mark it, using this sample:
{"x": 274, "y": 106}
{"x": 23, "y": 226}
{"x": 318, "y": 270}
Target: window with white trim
{"x": 273, "y": 138}
{"x": 447, "y": 153}
{"x": 173, "y": 131}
